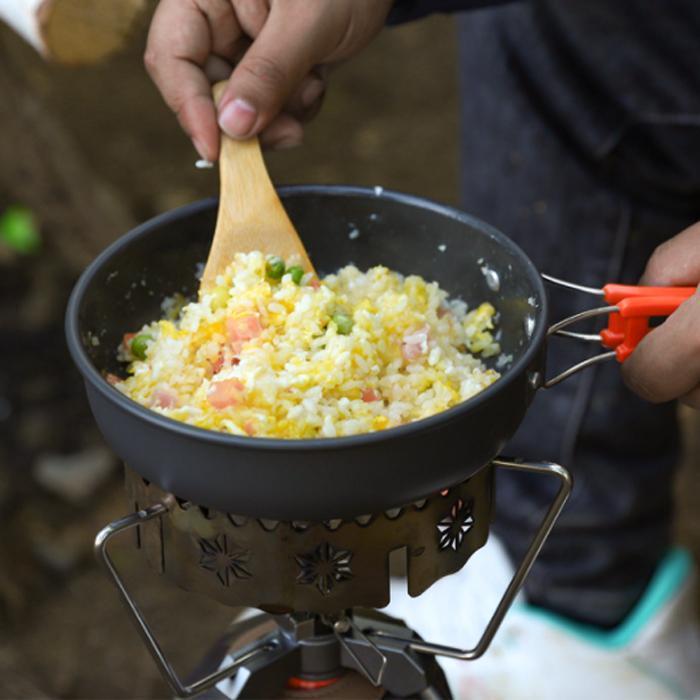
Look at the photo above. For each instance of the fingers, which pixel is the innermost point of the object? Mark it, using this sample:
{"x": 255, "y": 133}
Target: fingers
{"x": 217, "y": 69}
{"x": 306, "y": 100}
{"x": 183, "y": 34}
{"x": 192, "y": 41}
{"x": 285, "y": 131}
{"x": 225, "y": 32}
{"x": 677, "y": 261}
{"x": 269, "y": 73}
{"x": 666, "y": 364}
{"x": 252, "y": 15}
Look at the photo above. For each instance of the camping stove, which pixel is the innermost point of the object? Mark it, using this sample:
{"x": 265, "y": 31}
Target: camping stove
{"x": 310, "y": 579}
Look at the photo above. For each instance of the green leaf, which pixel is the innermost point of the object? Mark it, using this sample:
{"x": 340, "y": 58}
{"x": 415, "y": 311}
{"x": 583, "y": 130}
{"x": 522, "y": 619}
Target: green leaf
{"x": 19, "y": 230}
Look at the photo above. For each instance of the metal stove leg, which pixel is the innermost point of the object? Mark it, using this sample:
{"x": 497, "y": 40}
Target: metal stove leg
{"x": 565, "y": 485}
{"x": 269, "y": 646}
{"x": 340, "y": 629}
{"x": 406, "y": 674}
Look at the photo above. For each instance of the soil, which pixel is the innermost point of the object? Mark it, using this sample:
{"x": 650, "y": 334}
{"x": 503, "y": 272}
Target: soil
{"x": 63, "y": 631}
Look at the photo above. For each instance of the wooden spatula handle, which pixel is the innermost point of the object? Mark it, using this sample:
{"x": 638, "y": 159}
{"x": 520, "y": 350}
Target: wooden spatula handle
{"x": 251, "y": 216}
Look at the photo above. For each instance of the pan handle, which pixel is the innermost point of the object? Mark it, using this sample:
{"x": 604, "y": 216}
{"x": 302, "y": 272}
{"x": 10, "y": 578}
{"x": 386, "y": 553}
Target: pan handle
{"x": 550, "y": 518}
{"x": 266, "y": 645}
{"x": 629, "y": 309}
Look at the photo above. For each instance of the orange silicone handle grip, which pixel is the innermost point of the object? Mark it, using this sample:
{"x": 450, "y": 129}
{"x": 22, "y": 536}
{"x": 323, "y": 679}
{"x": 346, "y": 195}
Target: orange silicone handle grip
{"x": 627, "y": 327}
{"x": 619, "y": 332}
{"x": 615, "y": 293}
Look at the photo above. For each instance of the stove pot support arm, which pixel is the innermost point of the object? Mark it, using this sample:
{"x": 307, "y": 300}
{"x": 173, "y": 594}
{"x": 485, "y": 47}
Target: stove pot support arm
{"x": 271, "y": 647}
{"x": 266, "y": 646}
{"x": 550, "y": 518}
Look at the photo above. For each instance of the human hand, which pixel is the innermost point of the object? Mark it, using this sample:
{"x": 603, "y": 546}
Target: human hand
{"x": 666, "y": 363}
{"x": 279, "y": 49}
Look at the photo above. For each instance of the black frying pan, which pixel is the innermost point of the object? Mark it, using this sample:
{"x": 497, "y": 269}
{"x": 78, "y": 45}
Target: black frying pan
{"x": 325, "y": 478}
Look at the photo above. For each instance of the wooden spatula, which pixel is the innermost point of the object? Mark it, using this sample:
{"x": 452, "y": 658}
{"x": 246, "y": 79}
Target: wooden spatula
{"x": 251, "y": 216}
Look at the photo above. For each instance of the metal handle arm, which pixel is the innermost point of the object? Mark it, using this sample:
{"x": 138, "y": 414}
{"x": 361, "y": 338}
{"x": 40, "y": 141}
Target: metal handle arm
{"x": 264, "y": 645}
{"x": 555, "y": 508}
{"x": 630, "y": 308}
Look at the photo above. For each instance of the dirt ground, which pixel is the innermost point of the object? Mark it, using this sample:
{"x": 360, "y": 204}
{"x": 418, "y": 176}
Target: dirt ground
{"x": 63, "y": 632}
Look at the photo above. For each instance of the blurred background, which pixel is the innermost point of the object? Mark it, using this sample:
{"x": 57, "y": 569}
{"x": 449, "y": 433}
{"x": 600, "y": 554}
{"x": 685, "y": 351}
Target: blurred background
{"x": 85, "y": 153}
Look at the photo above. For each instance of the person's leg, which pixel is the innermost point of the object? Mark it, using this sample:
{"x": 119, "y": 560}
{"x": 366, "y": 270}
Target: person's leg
{"x": 520, "y": 176}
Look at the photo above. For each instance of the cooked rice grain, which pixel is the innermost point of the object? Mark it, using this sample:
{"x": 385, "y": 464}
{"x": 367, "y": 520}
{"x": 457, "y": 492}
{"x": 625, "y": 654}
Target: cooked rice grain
{"x": 262, "y": 357}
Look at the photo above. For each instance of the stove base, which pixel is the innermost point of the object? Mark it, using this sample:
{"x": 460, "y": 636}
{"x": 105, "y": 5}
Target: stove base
{"x": 314, "y": 644}
{"x": 320, "y": 666}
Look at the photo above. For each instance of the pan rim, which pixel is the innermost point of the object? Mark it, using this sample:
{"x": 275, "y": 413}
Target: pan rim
{"x": 90, "y": 373}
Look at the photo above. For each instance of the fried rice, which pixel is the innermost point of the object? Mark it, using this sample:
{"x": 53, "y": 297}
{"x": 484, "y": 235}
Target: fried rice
{"x": 296, "y": 357}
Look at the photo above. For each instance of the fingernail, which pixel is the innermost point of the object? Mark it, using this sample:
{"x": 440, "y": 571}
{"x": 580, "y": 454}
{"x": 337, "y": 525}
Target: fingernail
{"x": 199, "y": 147}
{"x": 237, "y": 118}
{"x": 311, "y": 92}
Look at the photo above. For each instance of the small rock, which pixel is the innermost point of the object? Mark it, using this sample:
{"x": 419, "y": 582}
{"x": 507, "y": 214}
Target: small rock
{"x": 74, "y": 477}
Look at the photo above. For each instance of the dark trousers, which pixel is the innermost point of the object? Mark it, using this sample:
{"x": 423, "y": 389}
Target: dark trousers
{"x": 521, "y": 176}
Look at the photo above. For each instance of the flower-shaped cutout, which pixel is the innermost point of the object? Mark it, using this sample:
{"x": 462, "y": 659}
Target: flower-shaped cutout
{"x": 455, "y": 525}
{"x": 224, "y": 559}
{"x": 325, "y": 567}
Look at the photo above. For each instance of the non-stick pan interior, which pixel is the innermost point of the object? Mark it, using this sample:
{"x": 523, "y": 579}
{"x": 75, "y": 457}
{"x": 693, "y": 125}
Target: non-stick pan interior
{"x": 465, "y": 256}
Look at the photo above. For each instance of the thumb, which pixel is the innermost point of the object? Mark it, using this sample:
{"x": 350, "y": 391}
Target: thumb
{"x": 269, "y": 72}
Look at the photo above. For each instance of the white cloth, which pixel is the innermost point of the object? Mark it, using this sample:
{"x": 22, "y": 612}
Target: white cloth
{"x": 537, "y": 656}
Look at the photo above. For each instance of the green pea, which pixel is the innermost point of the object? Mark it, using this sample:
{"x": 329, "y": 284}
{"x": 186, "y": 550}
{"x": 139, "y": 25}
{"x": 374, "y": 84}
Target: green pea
{"x": 139, "y": 345}
{"x": 275, "y": 268}
{"x": 297, "y": 273}
{"x": 343, "y": 322}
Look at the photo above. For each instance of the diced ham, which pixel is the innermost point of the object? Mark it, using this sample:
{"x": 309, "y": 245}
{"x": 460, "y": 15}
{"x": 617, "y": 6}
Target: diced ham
{"x": 370, "y": 395}
{"x": 112, "y": 378}
{"x": 225, "y": 393}
{"x": 314, "y": 282}
{"x": 249, "y": 428}
{"x": 415, "y": 344}
{"x": 165, "y": 397}
{"x": 241, "y": 329}
{"x": 126, "y": 340}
